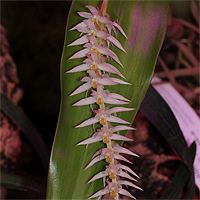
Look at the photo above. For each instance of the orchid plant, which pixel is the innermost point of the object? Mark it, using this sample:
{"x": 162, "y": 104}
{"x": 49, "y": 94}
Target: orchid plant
{"x": 101, "y": 52}
{"x": 97, "y": 29}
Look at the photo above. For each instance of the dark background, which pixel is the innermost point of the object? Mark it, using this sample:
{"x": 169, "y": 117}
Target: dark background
{"x": 36, "y": 31}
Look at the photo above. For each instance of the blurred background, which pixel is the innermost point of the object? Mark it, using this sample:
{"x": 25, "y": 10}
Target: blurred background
{"x": 35, "y": 31}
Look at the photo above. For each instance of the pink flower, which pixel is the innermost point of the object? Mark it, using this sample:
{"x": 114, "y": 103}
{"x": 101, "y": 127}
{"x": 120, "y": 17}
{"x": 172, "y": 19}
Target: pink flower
{"x": 104, "y": 134}
{"x": 94, "y": 47}
{"x": 103, "y": 116}
{"x": 112, "y": 171}
{"x": 101, "y": 96}
{"x": 93, "y": 63}
{"x": 96, "y": 37}
{"x": 93, "y": 80}
{"x": 90, "y": 29}
{"x": 113, "y": 189}
{"x": 108, "y": 155}
{"x": 95, "y": 16}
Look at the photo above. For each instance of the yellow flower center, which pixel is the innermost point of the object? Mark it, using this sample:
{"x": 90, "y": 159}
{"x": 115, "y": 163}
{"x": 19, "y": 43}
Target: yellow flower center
{"x": 105, "y": 139}
{"x": 108, "y": 159}
{"x": 95, "y": 21}
{"x": 94, "y": 50}
{"x": 112, "y": 175}
{"x": 102, "y": 121}
{"x": 99, "y": 101}
{"x": 92, "y": 34}
{"x": 113, "y": 193}
{"x": 93, "y": 67}
{"x": 94, "y": 84}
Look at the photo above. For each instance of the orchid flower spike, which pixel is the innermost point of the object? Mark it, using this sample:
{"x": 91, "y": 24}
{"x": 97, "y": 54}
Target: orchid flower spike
{"x": 96, "y": 30}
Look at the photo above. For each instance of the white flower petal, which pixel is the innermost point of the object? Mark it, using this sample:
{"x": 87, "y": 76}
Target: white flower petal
{"x": 114, "y": 56}
{"x": 91, "y": 140}
{"x": 115, "y": 42}
{"x": 82, "y": 88}
{"x": 106, "y": 81}
{"x": 80, "y": 53}
{"x": 97, "y": 153}
{"x": 119, "y": 109}
{"x": 100, "y": 193}
{"x": 94, "y": 56}
{"x": 124, "y": 151}
{"x": 104, "y": 20}
{"x": 126, "y": 193}
{"x": 120, "y": 128}
{"x": 120, "y": 81}
{"x": 120, "y": 29}
{"x": 99, "y": 175}
{"x": 119, "y": 137}
{"x": 110, "y": 100}
{"x": 79, "y": 26}
{"x": 125, "y": 175}
{"x": 119, "y": 157}
{"x": 85, "y": 101}
{"x": 127, "y": 169}
{"x": 82, "y": 40}
{"x": 102, "y": 34}
{"x": 79, "y": 68}
{"x": 88, "y": 61}
{"x": 96, "y": 159}
{"x": 88, "y": 122}
{"x": 116, "y": 119}
{"x": 109, "y": 68}
{"x": 89, "y": 23}
{"x": 118, "y": 96}
{"x": 93, "y": 40}
{"x": 86, "y": 79}
{"x": 92, "y": 9}
{"x": 85, "y": 15}
{"x": 106, "y": 51}
{"x": 129, "y": 184}
{"x": 88, "y": 45}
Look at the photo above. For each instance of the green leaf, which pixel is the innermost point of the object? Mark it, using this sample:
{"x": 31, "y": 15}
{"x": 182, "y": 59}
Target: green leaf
{"x": 181, "y": 178}
{"x": 27, "y": 127}
{"x": 12, "y": 181}
{"x": 144, "y": 22}
{"x": 160, "y": 115}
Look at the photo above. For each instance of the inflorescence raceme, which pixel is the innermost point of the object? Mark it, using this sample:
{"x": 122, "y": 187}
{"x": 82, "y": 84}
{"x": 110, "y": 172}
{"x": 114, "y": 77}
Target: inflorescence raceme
{"x": 95, "y": 37}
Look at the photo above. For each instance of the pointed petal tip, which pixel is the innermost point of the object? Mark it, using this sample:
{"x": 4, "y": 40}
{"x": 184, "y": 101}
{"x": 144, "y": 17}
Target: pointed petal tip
{"x": 82, "y": 125}
{"x": 86, "y": 167}
{"x": 69, "y": 71}
{"x": 89, "y": 181}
